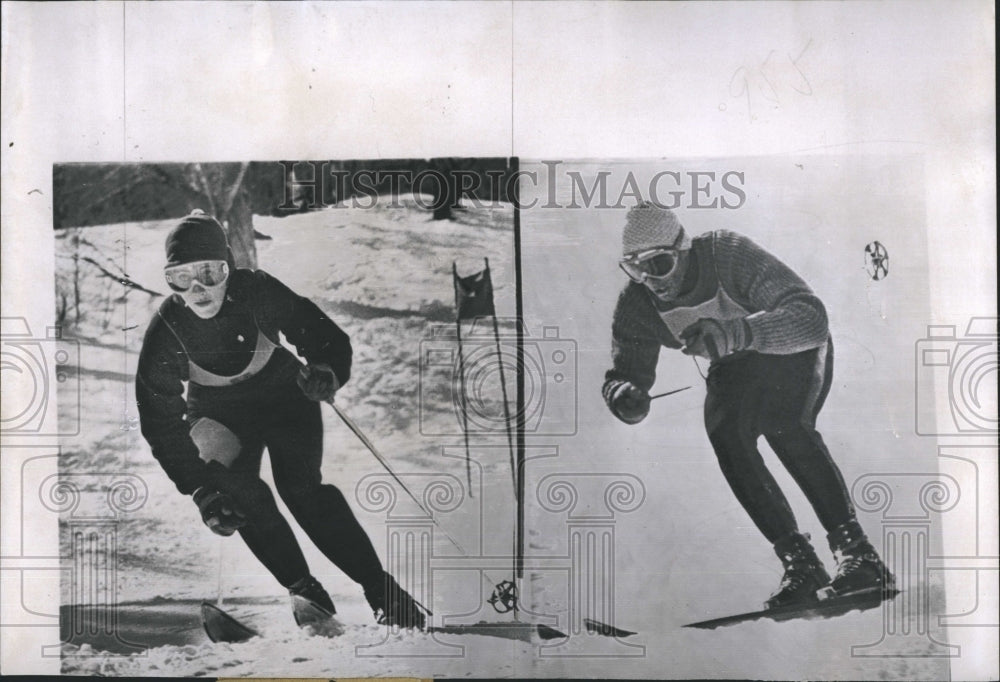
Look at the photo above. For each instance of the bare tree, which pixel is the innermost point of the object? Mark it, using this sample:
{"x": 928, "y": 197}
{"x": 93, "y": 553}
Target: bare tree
{"x": 224, "y": 187}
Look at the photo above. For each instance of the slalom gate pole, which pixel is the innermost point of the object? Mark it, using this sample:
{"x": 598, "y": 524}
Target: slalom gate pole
{"x": 503, "y": 391}
{"x": 461, "y": 377}
{"x": 521, "y": 418}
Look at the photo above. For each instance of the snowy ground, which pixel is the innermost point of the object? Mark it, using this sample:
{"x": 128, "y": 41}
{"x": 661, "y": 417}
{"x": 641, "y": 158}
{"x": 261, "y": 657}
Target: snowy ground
{"x": 679, "y": 548}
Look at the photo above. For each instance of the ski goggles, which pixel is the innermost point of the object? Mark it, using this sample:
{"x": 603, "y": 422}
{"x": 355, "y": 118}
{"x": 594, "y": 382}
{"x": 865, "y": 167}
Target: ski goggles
{"x": 650, "y": 264}
{"x": 208, "y": 273}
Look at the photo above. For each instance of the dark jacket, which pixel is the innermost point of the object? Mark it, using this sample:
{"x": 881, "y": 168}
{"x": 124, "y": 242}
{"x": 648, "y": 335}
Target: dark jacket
{"x": 256, "y": 303}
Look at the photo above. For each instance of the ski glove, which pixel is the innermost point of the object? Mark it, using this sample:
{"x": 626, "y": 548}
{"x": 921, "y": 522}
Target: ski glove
{"x": 626, "y": 401}
{"x": 318, "y": 382}
{"x": 218, "y": 511}
{"x": 716, "y": 338}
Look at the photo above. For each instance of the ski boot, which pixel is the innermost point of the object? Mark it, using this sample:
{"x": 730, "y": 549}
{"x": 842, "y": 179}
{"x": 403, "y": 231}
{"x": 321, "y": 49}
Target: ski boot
{"x": 311, "y": 605}
{"x": 804, "y": 572}
{"x": 858, "y": 564}
{"x": 393, "y": 606}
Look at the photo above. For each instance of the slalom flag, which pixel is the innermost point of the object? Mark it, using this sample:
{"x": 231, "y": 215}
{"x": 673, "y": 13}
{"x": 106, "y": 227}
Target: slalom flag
{"x": 474, "y": 294}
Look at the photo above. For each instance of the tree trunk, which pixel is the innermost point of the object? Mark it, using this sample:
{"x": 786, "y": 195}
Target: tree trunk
{"x": 446, "y": 189}
{"x": 239, "y": 227}
{"x": 224, "y": 186}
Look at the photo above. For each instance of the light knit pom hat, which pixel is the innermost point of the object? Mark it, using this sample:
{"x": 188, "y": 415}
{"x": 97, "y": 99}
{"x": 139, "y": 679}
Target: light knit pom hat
{"x": 648, "y": 226}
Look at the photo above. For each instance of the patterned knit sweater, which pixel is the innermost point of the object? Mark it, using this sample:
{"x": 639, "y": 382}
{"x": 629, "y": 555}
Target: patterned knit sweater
{"x": 729, "y": 276}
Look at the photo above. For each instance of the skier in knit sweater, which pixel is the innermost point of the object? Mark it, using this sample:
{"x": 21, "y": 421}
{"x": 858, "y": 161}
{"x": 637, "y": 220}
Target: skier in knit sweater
{"x": 722, "y": 297}
{"x": 246, "y": 392}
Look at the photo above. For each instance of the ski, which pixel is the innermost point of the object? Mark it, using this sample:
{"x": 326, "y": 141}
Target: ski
{"x": 829, "y": 607}
{"x": 599, "y": 628}
{"x": 523, "y": 632}
{"x": 308, "y": 614}
{"x": 221, "y": 627}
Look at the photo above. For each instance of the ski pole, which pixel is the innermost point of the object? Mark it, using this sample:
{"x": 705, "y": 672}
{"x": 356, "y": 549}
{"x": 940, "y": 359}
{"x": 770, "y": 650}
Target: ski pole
{"x": 222, "y": 549}
{"x": 676, "y": 390}
{"x": 371, "y": 448}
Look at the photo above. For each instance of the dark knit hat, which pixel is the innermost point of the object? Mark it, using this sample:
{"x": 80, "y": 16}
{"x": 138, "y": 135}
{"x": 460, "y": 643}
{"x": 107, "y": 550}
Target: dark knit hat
{"x": 197, "y": 237}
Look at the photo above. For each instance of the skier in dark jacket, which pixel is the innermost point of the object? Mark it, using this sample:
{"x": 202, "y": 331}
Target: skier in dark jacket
{"x": 246, "y": 392}
{"x": 722, "y": 297}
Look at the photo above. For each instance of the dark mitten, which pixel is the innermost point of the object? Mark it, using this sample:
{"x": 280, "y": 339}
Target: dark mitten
{"x": 318, "y": 382}
{"x": 716, "y": 339}
{"x": 626, "y": 401}
{"x": 218, "y": 510}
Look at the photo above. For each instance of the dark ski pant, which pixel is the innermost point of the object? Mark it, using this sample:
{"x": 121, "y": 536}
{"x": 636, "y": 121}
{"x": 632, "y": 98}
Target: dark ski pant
{"x": 779, "y": 397}
{"x": 292, "y": 432}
